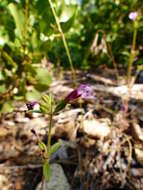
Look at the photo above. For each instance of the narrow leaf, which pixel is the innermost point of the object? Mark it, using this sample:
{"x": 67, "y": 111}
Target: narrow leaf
{"x": 19, "y": 19}
{"x": 55, "y": 147}
{"x": 61, "y": 105}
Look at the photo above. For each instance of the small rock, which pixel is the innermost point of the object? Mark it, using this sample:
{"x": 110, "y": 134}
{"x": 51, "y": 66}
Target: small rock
{"x": 4, "y": 183}
{"x": 137, "y": 131}
{"x": 139, "y": 154}
{"x": 96, "y": 128}
{"x": 139, "y": 79}
{"x": 58, "y": 180}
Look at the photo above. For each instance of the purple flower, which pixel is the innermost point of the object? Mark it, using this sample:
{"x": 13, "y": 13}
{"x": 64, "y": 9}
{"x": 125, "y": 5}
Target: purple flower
{"x": 33, "y": 105}
{"x": 124, "y": 106}
{"x": 84, "y": 91}
{"x": 72, "y": 96}
{"x": 133, "y": 16}
{"x": 140, "y": 48}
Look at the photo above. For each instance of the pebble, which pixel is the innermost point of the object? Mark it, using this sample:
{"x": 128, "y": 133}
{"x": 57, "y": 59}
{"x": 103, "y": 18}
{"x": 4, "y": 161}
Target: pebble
{"x": 58, "y": 180}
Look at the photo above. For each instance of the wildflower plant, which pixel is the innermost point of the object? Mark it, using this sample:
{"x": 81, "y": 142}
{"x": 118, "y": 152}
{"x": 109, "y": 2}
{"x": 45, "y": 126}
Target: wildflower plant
{"x": 48, "y": 106}
{"x": 133, "y": 16}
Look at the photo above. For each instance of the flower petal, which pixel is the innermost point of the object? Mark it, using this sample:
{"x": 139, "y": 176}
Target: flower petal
{"x": 133, "y": 16}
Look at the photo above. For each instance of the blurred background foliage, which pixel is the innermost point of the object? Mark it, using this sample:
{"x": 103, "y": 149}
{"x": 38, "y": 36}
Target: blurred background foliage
{"x": 95, "y": 30}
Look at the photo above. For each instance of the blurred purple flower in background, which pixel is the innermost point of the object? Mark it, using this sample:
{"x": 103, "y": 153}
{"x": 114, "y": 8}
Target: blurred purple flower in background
{"x": 133, "y": 16}
{"x": 33, "y": 105}
{"x": 84, "y": 91}
{"x": 140, "y": 48}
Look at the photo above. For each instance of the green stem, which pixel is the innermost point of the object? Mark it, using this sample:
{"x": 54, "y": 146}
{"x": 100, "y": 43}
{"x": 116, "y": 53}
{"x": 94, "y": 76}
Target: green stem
{"x": 64, "y": 41}
{"x": 48, "y": 146}
{"x": 131, "y": 58}
{"x": 49, "y": 135}
{"x": 26, "y": 24}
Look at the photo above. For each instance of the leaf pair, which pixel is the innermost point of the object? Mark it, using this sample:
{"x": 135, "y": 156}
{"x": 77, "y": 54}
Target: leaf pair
{"x": 46, "y": 165}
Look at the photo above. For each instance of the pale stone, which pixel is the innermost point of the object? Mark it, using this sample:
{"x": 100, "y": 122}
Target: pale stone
{"x": 96, "y": 128}
{"x": 58, "y": 180}
{"x": 139, "y": 154}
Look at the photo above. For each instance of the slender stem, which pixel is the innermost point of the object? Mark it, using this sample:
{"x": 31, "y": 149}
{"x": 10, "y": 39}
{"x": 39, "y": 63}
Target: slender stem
{"x": 26, "y": 24}
{"x": 64, "y": 41}
{"x": 131, "y": 58}
{"x": 78, "y": 148}
{"x": 42, "y": 185}
{"x": 25, "y": 45}
{"x": 113, "y": 61}
{"x": 49, "y": 135}
{"x": 48, "y": 146}
{"x": 111, "y": 55}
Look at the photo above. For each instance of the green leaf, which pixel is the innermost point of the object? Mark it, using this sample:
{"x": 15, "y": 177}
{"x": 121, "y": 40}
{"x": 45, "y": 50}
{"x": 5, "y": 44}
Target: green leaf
{"x": 46, "y": 171}
{"x": 46, "y": 16}
{"x": 55, "y": 147}
{"x": 41, "y": 87}
{"x": 7, "y": 107}
{"x": 59, "y": 7}
{"x": 51, "y": 100}
{"x": 33, "y": 95}
{"x": 42, "y": 146}
{"x": 9, "y": 60}
{"x": 67, "y": 13}
{"x": 44, "y": 104}
{"x": 34, "y": 40}
{"x": 19, "y": 19}
{"x": 30, "y": 68}
{"x": 60, "y": 105}
{"x": 2, "y": 88}
{"x": 43, "y": 77}
{"x": 69, "y": 23}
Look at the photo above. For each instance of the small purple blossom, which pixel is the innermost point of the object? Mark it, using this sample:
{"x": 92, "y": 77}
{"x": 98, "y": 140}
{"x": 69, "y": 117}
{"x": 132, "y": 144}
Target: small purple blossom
{"x": 84, "y": 91}
{"x": 136, "y": 59}
{"x": 124, "y": 106}
{"x": 140, "y": 48}
{"x": 133, "y": 16}
{"x": 33, "y": 105}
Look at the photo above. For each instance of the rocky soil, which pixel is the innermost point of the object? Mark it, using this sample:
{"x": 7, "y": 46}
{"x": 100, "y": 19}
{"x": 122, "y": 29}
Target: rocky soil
{"x": 101, "y": 141}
